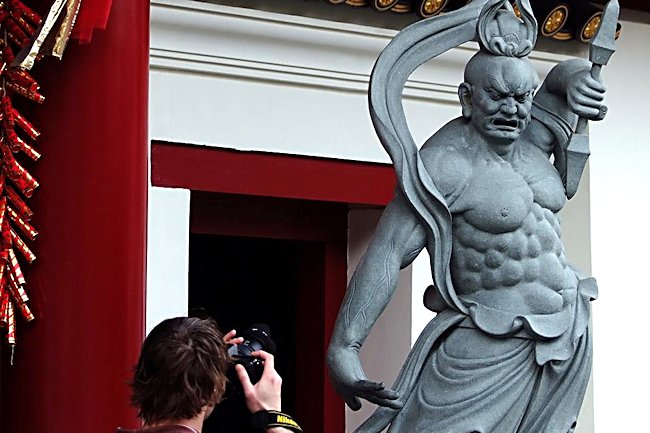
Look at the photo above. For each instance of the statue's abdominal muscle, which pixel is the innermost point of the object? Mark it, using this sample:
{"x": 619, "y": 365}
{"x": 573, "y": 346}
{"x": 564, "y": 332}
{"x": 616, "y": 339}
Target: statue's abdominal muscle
{"x": 507, "y": 252}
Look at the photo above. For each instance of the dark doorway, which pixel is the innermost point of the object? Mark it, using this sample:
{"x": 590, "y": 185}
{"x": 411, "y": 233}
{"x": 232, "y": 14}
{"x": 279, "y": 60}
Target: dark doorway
{"x": 244, "y": 281}
{"x": 279, "y": 262}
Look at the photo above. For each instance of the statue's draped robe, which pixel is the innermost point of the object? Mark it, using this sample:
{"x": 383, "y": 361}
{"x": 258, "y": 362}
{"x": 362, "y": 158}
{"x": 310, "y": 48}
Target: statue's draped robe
{"x": 538, "y": 382}
{"x": 535, "y": 385}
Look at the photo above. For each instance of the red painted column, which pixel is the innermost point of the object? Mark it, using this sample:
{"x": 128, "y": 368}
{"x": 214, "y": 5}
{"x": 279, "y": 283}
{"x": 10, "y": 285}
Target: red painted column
{"x": 87, "y": 285}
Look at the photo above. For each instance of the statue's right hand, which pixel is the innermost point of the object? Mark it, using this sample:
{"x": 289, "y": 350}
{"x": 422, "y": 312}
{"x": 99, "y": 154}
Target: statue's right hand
{"x": 350, "y": 381}
{"x": 585, "y": 95}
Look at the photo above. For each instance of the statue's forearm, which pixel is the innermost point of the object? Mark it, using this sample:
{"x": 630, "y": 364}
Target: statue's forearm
{"x": 368, "y": 294}
{"x": 398, "y": 240}
{"x": 552, "y": 96}
{"x": 557, "y": 79}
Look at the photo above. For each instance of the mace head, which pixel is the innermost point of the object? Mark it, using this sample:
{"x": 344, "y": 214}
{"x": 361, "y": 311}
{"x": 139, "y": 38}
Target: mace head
{"x": 603, "y": 45}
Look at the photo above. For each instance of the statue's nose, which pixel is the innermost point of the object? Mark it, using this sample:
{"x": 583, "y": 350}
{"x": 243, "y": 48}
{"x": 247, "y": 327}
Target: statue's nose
{"x": 508, "y": 106}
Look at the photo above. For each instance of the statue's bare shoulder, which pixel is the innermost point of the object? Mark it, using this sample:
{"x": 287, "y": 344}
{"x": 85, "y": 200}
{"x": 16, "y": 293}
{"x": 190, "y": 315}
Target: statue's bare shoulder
{"x": 448, "y": 157}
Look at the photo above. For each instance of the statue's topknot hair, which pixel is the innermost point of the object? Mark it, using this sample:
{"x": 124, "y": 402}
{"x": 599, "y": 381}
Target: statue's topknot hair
{"x": 502, "y": 33}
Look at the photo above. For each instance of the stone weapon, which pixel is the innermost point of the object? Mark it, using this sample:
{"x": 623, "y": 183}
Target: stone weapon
{"x": 601, "y": 48}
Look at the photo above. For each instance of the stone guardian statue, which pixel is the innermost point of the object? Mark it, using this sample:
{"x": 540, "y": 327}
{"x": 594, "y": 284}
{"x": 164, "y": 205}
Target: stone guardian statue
{"x": 509, "y": 350}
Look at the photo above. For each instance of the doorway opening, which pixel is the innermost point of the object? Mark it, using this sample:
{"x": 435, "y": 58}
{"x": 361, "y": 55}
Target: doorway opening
{"x": 246, "y": 281}
{"x": 278, "y": 262}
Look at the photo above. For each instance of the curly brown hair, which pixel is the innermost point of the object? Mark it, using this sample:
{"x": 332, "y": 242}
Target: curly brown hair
{"x": 182, "y": 368}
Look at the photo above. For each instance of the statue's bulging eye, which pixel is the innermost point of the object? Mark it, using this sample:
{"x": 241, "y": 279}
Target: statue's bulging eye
{"x": 495, "y": 95}
{"x": 523, "y": 98}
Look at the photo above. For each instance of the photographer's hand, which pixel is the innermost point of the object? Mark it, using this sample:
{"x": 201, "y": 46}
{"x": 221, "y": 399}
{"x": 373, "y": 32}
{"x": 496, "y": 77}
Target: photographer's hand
{"x": 230, "y": 338}
{"x": 265, "y": 394}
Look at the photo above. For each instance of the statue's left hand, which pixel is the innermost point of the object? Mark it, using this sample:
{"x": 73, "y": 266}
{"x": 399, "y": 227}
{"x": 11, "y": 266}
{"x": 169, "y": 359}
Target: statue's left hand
{"x": 585, "y": 96}
{"x": 350, "y": 380}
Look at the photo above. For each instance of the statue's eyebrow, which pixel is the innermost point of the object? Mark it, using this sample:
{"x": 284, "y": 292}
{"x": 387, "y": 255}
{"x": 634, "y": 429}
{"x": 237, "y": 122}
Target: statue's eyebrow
{"x": 497, "y": 84}
{"x": 524, "y": 87}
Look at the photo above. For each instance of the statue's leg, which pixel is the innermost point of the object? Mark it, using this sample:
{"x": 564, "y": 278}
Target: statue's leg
{"x": 472, "y": 382}
{"x": 559, "y": 393}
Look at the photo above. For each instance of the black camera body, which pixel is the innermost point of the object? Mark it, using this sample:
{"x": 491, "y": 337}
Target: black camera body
{"x": 231, "y": 415}
{"x": 257, "y": 337}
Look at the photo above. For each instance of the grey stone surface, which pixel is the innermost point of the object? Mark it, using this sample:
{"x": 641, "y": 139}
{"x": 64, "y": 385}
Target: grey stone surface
{"x": 510, "y": 348}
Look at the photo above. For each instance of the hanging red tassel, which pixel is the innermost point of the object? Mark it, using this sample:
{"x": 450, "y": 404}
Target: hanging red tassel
{"x": 22, "y": 247}
{"x": 18, "y": 202}
{"x": 16, "y": 173}
{"x": 25, "y": 125}
{"x": 24, "y": 32}
{"x": 11, "y": 324}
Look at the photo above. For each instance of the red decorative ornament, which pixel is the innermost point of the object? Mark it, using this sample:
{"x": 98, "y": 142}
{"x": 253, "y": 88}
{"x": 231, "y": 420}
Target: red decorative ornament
{"x": 25, "y": 38}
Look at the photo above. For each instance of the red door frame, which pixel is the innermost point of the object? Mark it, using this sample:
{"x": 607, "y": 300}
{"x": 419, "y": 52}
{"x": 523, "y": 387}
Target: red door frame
{"x": 201, "y": 168}
{"x": 314, "y": 182}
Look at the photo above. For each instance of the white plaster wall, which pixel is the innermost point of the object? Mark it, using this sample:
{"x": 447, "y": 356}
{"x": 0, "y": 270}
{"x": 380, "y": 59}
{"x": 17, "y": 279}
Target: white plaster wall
{"x": 168, "y": 233}
{"x": 576, "y": 224}
{"x": 420, "y": 315}
{"x": 253, "y": 80}
{"x": 620, "y": 238}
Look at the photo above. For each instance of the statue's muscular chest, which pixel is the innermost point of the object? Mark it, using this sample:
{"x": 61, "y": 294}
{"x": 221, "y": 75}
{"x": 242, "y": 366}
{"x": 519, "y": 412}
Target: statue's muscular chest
{"x": 500, "y": 195}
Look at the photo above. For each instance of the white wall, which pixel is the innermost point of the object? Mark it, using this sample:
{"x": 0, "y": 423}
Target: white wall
{"x": 620, "y": 238}
{"x": 254, "y": 80}
{"x": 576, "y": 232}
{"x": 168, "y": 222}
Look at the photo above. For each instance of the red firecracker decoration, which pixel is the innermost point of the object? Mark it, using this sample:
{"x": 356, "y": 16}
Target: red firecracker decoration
{"x": 25, "y": 38}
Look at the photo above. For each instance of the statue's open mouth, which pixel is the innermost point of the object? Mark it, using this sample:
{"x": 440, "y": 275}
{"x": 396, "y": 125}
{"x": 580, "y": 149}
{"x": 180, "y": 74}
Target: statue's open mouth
{"x": 505, "y": 124}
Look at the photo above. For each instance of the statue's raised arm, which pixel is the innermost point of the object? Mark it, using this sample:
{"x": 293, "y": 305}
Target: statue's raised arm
{"x": 510, "y": 348}
{"x": 572, "y": 94}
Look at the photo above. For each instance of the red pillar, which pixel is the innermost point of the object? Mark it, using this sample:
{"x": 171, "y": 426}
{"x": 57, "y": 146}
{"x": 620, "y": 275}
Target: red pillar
{"x": 87, "y": 285}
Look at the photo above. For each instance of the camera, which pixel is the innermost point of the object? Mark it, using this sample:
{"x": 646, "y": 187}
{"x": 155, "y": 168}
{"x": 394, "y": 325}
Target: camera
{"x": 231, "y": 414}
{"x": 257, "y": 337}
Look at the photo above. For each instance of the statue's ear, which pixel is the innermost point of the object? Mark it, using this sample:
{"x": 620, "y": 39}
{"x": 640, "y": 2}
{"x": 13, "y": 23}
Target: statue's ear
{"x": 465, "y": 96}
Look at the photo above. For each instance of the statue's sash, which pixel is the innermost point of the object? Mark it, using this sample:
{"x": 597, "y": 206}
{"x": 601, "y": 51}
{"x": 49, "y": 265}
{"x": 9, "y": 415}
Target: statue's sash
{"x": 415, "y": 45}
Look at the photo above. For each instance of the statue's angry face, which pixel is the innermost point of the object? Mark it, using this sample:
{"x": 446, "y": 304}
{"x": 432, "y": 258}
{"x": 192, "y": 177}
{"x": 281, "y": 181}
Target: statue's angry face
{"x": 498, "y": 94}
